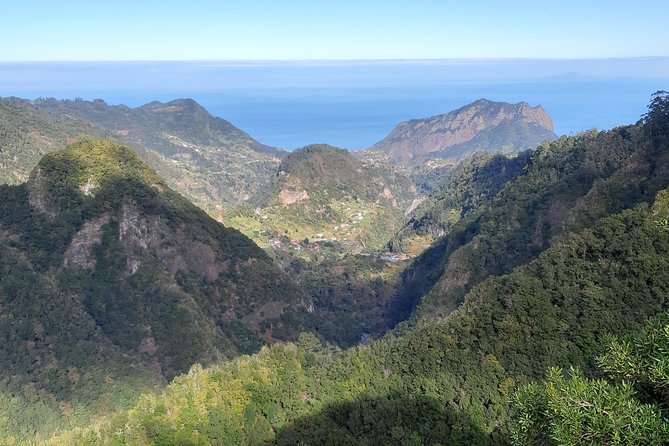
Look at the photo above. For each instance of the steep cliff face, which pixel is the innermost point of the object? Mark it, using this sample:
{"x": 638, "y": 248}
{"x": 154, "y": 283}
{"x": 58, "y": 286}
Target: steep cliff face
{"x": 480, "y": 126}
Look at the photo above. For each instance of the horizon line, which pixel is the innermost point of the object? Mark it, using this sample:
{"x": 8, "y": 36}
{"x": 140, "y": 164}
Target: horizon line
{"x": 342, "y": 60}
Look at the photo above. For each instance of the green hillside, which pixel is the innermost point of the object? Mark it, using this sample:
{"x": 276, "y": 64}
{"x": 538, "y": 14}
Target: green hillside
{"x": 566, "y": 185}
{"x": 459, "y": 192}
{"x": 325, "y": 194}
{"x": 113, "y": 283}
{"x": 205, "y": 158}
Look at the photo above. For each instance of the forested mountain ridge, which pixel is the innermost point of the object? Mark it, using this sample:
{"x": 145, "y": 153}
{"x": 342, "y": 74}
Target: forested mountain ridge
{"x": 480, "y": 126}
{"x": 461, "y": 190}
{"x": 203, "y": 157}
{"x": 112, "y": 282}
{"x": 563, "y": 186}
{"x": 449, "y": 380}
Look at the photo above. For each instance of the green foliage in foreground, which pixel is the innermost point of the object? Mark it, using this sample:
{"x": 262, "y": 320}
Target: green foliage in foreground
{"x": 643, "y": 360}
{"x": 295, "y": 394}
{"x": 576, "y": 411}
{"x": 628, "y": 410}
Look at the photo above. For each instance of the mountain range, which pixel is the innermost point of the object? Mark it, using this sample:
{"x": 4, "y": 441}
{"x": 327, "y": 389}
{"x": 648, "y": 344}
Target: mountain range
{"x": 205, "y": 158}
{"x": 113, "y": 283}
{"x": 219, "y": 167}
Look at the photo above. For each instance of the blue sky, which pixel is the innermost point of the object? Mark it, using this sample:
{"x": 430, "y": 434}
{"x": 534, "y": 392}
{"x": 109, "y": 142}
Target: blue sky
{"x": 301, "y": 30}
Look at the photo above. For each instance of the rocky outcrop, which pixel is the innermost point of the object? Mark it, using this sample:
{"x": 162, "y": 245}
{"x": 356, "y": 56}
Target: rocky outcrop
{"x": 38, "y": 194}
{"x": 482, "y": 125}
{"x": 288, "y": 196}
{"x": 80, "y": 251}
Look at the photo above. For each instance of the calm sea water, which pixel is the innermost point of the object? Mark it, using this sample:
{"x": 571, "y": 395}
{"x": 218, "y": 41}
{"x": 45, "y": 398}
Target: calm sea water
{"x": 354, "y": 104}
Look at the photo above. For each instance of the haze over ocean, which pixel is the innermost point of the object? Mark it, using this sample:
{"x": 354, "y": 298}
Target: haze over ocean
{"x": 354, "y": 104}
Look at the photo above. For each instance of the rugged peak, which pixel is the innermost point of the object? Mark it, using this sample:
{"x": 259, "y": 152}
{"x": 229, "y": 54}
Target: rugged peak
{"x": 482, "y": 125}
{"x": 482, "y": 101}
{"x": 494, "y": 113}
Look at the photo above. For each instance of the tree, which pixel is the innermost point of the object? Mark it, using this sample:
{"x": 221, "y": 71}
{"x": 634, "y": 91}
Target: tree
{"x": 656, "y": 120}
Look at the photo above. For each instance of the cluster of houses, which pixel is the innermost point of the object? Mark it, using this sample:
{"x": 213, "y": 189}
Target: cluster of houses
{"x": 314, "y": 244}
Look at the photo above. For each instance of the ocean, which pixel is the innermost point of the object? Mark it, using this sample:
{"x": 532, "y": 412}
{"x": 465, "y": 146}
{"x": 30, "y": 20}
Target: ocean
{"x": 353, "y": 104}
